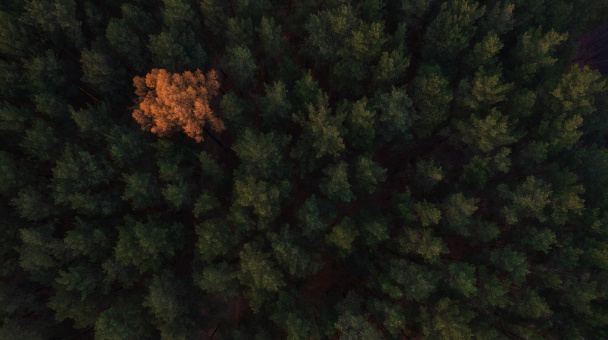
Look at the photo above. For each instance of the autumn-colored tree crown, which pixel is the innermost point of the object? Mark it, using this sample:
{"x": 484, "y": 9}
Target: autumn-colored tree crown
{"x": 169, "y": 102}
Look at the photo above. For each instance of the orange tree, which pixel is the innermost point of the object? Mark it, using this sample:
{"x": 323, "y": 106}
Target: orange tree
{"x": 167, "y": 103}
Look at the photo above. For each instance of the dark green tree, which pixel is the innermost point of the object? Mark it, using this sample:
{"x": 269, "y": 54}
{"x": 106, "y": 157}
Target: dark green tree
{"x": 55, "y": 20}
{"x": 306, "y": 89}
{"x": 368, "y": 175}
{"x": 93, "y": 120}
{"x": 295, "y": 259}
{"x": 90, "y": 239}
{"x": 76, "y": 176}
{"x": 260, "y": 275}
{"x": 270, "y": 36}
{"x": 214, "y": 239}
{"x": 446, "y": 320}
{"x": 458, "y": 210}
{"x": 46, "y": 72}
{"x": 11, "y": 173}
{"x": 451, "y": 30}
{"x": 80, "y": 295}
{"x": 148, "y": 245}
{"x": 178, "y": 14}
{"x": 33, "y": 204}
{"x": 127, "y": 43}
{"x": 126, "y": 319}
{"x": 432, "y": 96}
{"x": 240, "y": 32}
{"x": 220, "y": 279}
{"x": 176, "y": 51}
{"x": 242, "y": 66}
{"x": 316, "y": 214}
{"x": 238, "y": 113}
{"x": 41, "y": 142}
{"x": 275, "y": 107}
{"x": 261, "y": 155}
{"x": 360, "y": 123}
{"x": 321, "y": 136}
{"x": 142, "y": 190}
{"x": 335, "y": 185}
{"x": 128, "y": 148}
{"x": 289, "y": 315}
{"x": 215, "y": 17}
{"x": 103, "y": 72}
{"x": 535, "y": 51}
{"x": 352, "y": 321}
{"x": 343, "y": 236}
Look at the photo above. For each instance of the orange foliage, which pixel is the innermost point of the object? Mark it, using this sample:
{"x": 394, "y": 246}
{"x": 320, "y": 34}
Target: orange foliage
{"x": 170, "y": 102}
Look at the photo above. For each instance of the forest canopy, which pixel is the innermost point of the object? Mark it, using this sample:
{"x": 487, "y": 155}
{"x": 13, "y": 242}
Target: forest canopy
{"x": 303, "y": 169}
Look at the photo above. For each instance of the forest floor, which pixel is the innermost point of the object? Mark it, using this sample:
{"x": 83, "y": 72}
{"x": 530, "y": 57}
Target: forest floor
{"x": 593, "y": 49}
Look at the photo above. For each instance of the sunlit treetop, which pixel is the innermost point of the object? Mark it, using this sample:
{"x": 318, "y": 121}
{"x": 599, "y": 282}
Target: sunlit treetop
{"x": 167, "y": 103}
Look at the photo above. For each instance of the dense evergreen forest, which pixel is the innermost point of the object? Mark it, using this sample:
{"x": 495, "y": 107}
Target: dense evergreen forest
{"x": 312, "y": 169}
